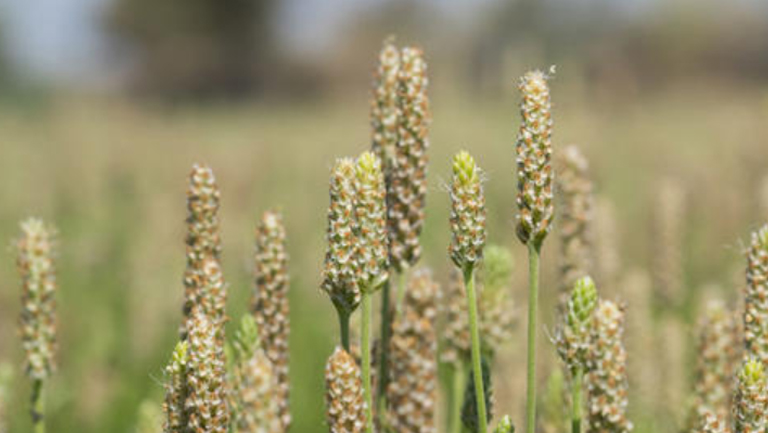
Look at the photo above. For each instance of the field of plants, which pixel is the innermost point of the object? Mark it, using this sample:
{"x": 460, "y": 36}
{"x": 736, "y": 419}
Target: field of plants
{"x": 180, "y": 245}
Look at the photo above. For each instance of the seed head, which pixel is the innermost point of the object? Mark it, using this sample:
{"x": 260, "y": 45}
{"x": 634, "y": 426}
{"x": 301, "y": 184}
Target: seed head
{"x": 206, "y": 403}
{"x": 340, "y": 275}
{"x": 370, "y": 211}
{"x": 751, "y": 399}
{"x": 534, "y": 155}
{"x": 384, "y": 106}
{"x": 756, "y": 297}
{"x": 176, "y": 390}
{"x": 575, "y": 188}
{"x": 573, "y": 336}
{"x": 256, "y": 400}
{"x": 607, "y": 377}
{"x": 406, "y": 168}
{"x": 505, "y": 426}
{"x": 496, "y": 306}
{"x": 713, "y": 424}
{"x": 344, "y": 394}
{"x": 35, "y": 249}
{"x": 717, "y": 340}
{"x": 467, "y": 213}
{"x": 269, "y": 303}
{"x": 412, "y": 388}
{"x": 454, "y": 349}
{"x": 203, "y": 235}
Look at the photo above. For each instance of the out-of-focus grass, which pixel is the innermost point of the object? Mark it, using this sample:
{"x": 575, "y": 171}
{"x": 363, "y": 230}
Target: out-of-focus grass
{"x": 112, "y": 177}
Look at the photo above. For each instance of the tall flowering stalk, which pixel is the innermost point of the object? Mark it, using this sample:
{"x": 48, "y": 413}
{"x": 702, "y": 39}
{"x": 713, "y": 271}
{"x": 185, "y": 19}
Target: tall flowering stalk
{"x": 256, "y": 391}
{"x": 35, "y": 252}
{"x": 717, "y": 358}
{"x": 756, "y": 297}
{"x": 467, "y": 223}
{"x": 371, "y": 255}
{"x": 577, "y": 217}
{"x": 345, "y": 405}
{"x": 400, "y": 118}
{"x": 751, "y": 398}
{"x": 573, "y": 341}
{"x": 203, "y": 237}
{"x": 269, "y": 303}
{"x": 412, "y": 389}
{"x": 534, "y": 201}
{"x": 607, "y": 377}
{"x": 340, "y": 272}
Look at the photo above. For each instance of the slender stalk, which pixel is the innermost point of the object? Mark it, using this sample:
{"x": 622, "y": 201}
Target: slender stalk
{"x": 344, "y": 329}
{"x": 386, "y": 321}
{"x": 477, "y": 368}
{"x": 457, "y": 393}
{"x": 38, "y": 406}
{"x": 366, "y": 361}
{"x": 533, "y": 302}
{"x": 578, "y": 378}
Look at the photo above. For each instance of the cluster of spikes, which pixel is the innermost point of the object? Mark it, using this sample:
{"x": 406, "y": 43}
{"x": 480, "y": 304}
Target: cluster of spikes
{"x": 218, "y": 385}
{"x": 205, "y": 391}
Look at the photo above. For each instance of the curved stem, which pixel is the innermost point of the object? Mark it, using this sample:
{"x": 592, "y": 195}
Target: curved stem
{"x": 344, "y": 329}
{"x": 533, "y": 302}
{"x": 366, "y": 361}
{"x": 469, "y": 283}
{"x": 457, "y": 394}
{"x": 578, "y": 376}
{"x": 38, "y": 406}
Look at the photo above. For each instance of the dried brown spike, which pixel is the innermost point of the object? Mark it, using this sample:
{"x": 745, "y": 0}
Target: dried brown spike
{"x": 35, "y": 251}
{"x": 344, "y": 400}
{"x": 269, "y": 301}
{"x": 412, "y": 388}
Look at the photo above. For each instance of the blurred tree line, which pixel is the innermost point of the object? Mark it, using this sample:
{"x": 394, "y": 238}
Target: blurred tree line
{"x": 195, "y": 48}
{"x": 227, "y": 48}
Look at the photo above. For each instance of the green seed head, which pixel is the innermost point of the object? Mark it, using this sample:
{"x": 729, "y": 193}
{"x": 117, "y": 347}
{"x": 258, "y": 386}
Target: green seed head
{"x": 573, "y": 337}
{"x": 176, "y": 390}
{"x": 534, "y": 155}
{"x": 751, "y": 399}
{"x": 467, "y": 213}
{"x": 756, "y": 297}
{"x": 340, "y": 274}
{"x": 505, "y": 426}
{"x": 497, "y": 268}
{"x": 370, "y": 210}
{"x": 35, "y": 251}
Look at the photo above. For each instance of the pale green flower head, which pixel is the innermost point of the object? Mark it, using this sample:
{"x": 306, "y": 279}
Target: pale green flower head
{"x": 505, "y": 426}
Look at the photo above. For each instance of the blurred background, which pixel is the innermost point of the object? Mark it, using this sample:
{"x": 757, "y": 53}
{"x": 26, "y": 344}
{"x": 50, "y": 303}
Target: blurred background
{"x": 106, "y": 104}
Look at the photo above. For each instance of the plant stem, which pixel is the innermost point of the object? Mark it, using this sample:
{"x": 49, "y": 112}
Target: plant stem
{"x": 578, "y": 376}
{"x": 386, "y": 320}
{"x": 457, "y": 395}
{"x": 38, "y": 406}
{"x": 366, "y": 361}
{"x": 469, "y": 283}
{"x": 533, "y": 302}
{"x": 344, "y": 328}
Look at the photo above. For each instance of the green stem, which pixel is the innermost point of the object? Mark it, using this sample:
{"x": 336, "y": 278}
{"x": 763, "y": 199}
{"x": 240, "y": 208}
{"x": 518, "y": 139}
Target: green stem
{"x": 533, "y": 302}
{"x": 457, "y": 396}
{"x": 386, "y": 320}
{"x": 344, "y": 328}
{"x": 578, "y": 376}
{"x": 366, "y": 361}
{"x": 38, "y": 406}
{"x": 469, "y": 283}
